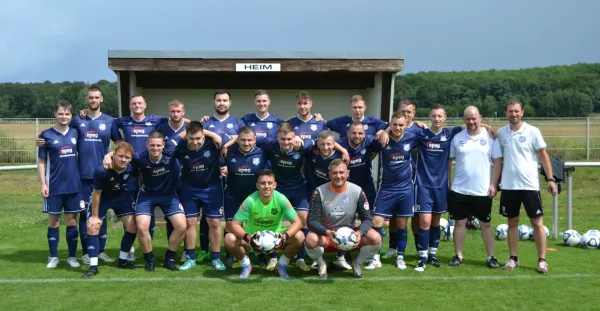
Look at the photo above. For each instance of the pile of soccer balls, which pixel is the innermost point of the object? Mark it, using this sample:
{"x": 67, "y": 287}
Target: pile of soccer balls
{"x": 525, "y": 232}
{"x": 589, "y": 240}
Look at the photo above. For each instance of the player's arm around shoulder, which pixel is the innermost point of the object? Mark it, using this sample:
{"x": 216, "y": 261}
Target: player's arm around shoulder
{"x": 313, "y": 219}
{"x": 364, "y": 213}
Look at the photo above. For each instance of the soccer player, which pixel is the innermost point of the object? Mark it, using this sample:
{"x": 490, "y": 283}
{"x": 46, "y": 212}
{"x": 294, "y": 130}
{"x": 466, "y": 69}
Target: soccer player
{"x": 335, "y": 205}
{"x": 317, "y": 162}
{"x": 200, "y": 189}
{"x": 244, "y": 160}
{"x": 373, "y": 125}
{"x": 261, "y": 211}
{"x": 521, "y": 145}
{"x": 95, "y": 131}
{"x": 60, "y": 182}
{"x": 287, "y": 162}
{"x": 262, "y": 122}
{"x": 396, "y": 194}
{"x": 110, "y": 193}
{"x": 305, "y": 124}
{"x": 471, "y": 192}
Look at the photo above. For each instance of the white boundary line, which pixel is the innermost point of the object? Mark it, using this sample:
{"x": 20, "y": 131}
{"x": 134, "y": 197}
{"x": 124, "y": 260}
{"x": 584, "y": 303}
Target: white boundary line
{"x": 311, "y": 279}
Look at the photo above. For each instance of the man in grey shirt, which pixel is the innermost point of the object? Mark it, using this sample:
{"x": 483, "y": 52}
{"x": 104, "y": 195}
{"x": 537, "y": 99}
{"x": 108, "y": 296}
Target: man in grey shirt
{"x": 335, "y": 205}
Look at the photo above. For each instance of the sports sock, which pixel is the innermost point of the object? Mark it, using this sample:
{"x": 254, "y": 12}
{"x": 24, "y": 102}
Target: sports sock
{"x": 72, "y": 236}
{"x": 315, "y": 253}
{"x": 83, "y": 232}
{"x": 152, "y": 225}
{"x": 422, "y": 244}
{"x": 149, "y": 257}
{"x": 169, "y": 226}
{"x": 204, "y": 243}
{"x": 341, "y": 254}
{"x": 434, "y": 240}
{"x": 302, "y": 250}
{"x": 245, "y": 261}
{"x": 283, "y": 260}
{"x": 402, "y": 237}
{"x": 215, "y": 255}
{"x": 190, "y": 253}
{"x": 541, "y": 259}
{"x": 169, "y": 255}
{"x": 53, "y": 237}
{"x": 380, "y": 231}
{"x": 367, "y": 252}
{"x": 126, "y": 243}
{"x": 393, "y": 242}
{"x": 93, "y": 242}
{"x": 272, "y": 255}
{"x": 102, "y": 236}
{"x": 515, "y": 258}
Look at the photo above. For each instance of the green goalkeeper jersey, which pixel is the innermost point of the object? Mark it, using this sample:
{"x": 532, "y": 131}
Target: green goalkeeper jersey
{"x": 261, "y": 217}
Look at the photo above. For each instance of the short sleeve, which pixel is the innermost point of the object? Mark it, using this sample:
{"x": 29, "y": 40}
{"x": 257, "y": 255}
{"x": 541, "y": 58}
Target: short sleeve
{"x": 334, "y": 125}
{"x": 452, "y": 150}
{"x": 537, "y": 140}
{"x": 266, "y": 144}
{"x": 99, "y": 174}
{"x": 240, "y": 124}
{"x": 496, "y": 149}
{"x": 308, "y": 145}
{"x": 455, "y": 130}
{"x": 42, "y": 150}
{"x": 379, "y": 124}
{"x": 373, "y": 145}
{"x": 244, "y": 211}
{"x": 115, "y": 135}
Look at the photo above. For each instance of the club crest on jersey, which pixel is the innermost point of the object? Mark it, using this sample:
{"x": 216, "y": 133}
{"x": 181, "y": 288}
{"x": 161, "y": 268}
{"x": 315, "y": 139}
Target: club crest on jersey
{"x": 346, "y": 200}
{"x": 269, "y": 125}
{"x": 74, "y": 140}
{"x": 483, "y": 141}
{"x": 274, "y": 211}
{"x": 313, "y": 127}
{"x": 443, "y": 138}
{"x": 366, "y": 127}
{"x": 363, "y": 151}
{"x": 102, "y": 127}
{"x": 522, "y": 139}
{"x": 406, "y": 147}
{"x": 256, "y": 161}
{"x": 229, "y": 125}
{"x": 207, "y": 154}
{"x": 125, "y": 176}
{"x": 296, "y": 156}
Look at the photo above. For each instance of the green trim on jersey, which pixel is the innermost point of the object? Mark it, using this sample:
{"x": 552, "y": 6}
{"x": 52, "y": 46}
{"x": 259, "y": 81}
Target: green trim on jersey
{"x": 260, "y": 217}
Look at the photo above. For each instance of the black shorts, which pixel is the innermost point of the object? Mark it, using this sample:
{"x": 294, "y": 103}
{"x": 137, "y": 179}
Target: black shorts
{"x": 461, "y": 206}
{"x": 510, "y": 203}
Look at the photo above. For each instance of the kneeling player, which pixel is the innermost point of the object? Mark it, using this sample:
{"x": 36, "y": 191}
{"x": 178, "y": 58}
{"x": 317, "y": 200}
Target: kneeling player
{"x": 261, "y": 211}
{"x": 110, "y": 193}
{"x": 335, "y": 205}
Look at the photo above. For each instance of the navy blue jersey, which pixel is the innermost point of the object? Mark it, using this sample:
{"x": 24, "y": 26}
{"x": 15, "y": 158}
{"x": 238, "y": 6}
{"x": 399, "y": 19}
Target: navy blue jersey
{"x": 62, "y": 167}
{"x": 434, "y": 152}
{"x": 112, "y": 182}
{"x": 199, "y": 168}
{"x": 361, "y": 165}
{"x": 94, "y": 141}
{"x": 317, "y": 168}
{"x": 224, "y": 128}
{"x": 287, "y": 166}
{"x": 136, "y": 132}
{"x": 307, "y": 129}
{"x": 157, "y": 177}
{"x": 242, "y": 169}
{"x": 169, "y": 132}
{"x": 397, "y": 164}
{"x": 266, "y": 127}
{"x": 341, "y": 124}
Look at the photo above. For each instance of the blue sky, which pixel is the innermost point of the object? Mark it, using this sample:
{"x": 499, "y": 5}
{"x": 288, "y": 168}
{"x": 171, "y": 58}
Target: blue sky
{"x": 68, "y": 40}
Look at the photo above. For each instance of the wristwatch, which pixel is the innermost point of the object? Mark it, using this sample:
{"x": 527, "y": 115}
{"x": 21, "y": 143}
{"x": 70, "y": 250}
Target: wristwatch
{"x": 550, "y": 179}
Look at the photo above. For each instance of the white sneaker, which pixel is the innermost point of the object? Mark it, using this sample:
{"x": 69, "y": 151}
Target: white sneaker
{"x": 86, "y": 259}
{"x": 300, "y": 263}
{"x": 272, "y": 264}
{"x": 131, "y": 254}
{"x": 401, "y": 264}
{"x": 342, "y": 263}
{"x": 104, "y": 257}
{"x": 392, "y": 252}
{"x": 374, "y": 263}
{"x": 183, "y": 257}
{"x": 52, "y": 262}
{"x": 72, "y": 261}
{"x": 313, "y": 266}
{"x": 322, "y": 268}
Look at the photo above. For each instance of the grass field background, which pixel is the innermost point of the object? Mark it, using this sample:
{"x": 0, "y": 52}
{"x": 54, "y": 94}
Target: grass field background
{"x": 25, "y": 282}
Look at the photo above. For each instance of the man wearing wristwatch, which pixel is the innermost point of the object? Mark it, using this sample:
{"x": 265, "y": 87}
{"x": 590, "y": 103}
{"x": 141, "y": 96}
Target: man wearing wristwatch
{"x": 521, "y": 146}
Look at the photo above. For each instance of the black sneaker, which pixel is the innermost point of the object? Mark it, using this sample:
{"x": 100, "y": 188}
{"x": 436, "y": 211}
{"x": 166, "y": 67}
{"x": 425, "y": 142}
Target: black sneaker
{"x": 124, "y": 264}
{"x": 434, "y": 262}
{"x": 228, "y": 262}
{"x": 456, "y": 261}
{"x": 420, "y": 267}
{"x": 149, "y": 266}
{"x": 91, "y": 272}
{"x": 492, "y": 263}
{"x": 170, "y": 264}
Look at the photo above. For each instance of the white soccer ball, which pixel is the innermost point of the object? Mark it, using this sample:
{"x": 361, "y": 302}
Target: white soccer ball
{"x": 267, "y": 240}
{"x": 571, "y": 238}
{"x": 450, "y": 233}
{"x": 443, "y": 227}
{"x": 592, "y": 232}
{"x": 502, "y": 232}
{"x": 476, "y": 224}
{"x": 525, "y": 232}
{"x": 590, "y": 240}
{"x": 346, "y": 237}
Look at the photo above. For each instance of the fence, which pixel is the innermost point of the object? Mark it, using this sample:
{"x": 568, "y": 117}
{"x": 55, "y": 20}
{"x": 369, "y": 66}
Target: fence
{"x": 574, "y": 139}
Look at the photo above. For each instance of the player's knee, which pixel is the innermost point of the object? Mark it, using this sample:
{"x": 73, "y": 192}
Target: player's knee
{"x": 460, "y": 223}
{"x": 71, "y": 219}
{"x": 513, "y": 222}
{"x": 298, "y": 238}
{"x": 192, "y": 222}
{"x": 485, "y": 225}
{"x": 93, "y": 230}
{"x": 214, "y": 223}
{"x": 402, "y": 222}
{"x": 53, "y": 221}
{"x": 377, "y": 221}
{"x": 311, "y": 240}
{"x": 537, "y": 222}
{"x": 373, "y": 237}
{"x": 230, "y": 240}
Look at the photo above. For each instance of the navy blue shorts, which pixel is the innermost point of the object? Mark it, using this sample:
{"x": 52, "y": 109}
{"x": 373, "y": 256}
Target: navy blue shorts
{"x": 209, "y": 200}
{"x": 122, "y": 206}
{"x": 69, "y": 203}
{"x": 168, "y": 203}
{"x": 297, "y": 197}
{"x": 86, "y": 191}
{"x": 232, "y": 204}
{"x": 394, "y": 201}
{"x": 431, "y": 200}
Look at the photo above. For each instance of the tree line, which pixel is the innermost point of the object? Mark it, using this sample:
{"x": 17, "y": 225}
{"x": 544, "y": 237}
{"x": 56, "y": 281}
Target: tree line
{"x": 557, "y": 91}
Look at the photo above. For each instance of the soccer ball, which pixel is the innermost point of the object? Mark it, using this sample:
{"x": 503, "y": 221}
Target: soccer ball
{"x": 501, "y": 232}
{"x": 346, "y": 237}
{"x": 443, "y": 227}
{"x": 476, "y": 225}
{"x": 571, "y": 238}
{"x": 593, "y": 232}
{"x": 590, "y": 240}
{"x": 525, "y": 232}
{"x": 267, "y": 240}
{"x": 450, "y": 233}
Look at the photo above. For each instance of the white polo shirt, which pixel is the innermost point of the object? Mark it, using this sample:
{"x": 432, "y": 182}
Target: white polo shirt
{"x": 473, "y": 156}
{"x": 520, "y": 152}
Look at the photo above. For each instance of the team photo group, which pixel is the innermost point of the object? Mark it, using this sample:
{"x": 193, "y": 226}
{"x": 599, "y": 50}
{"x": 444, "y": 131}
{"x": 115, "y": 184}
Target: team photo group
{"x": 288, "y": 190}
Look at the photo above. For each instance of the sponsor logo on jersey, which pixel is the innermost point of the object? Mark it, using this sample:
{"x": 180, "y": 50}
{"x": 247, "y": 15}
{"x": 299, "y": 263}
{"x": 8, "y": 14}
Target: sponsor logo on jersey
{"x": 432, "y": 145}
{"x": 157, "y": 171}
{"x": 138, "y": 130}
{"x": 198, "y": 166}
{"x": 91, "y": 135}
{"x": 244, "y": 170}
{"x": 66, "y": 151}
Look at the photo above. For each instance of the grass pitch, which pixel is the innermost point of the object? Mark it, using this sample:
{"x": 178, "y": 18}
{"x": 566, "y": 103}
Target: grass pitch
{"x": 25, "y": 282}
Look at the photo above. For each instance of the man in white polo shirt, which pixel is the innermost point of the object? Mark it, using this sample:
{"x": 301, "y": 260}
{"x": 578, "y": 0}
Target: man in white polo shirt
{"x": 471, "y": 193}
{"x": 521, "y": 146}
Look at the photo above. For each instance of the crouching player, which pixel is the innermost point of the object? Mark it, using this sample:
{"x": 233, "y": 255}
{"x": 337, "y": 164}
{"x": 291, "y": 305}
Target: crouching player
{"x": 264, "y": 210}
{"x": 110, "y": 193}
{"x": 334, "y": 205}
